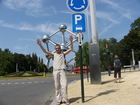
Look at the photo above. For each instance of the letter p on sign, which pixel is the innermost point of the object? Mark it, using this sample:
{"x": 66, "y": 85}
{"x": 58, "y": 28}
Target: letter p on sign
{"x": 78, "y": 22}
{"x": 77, "y": 18}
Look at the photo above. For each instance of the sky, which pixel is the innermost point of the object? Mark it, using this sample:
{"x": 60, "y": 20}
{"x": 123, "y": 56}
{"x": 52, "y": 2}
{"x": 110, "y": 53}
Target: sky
{"x": 24, "y": 21}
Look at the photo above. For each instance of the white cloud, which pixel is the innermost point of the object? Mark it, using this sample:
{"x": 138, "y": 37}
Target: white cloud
{"x": 110, "y": 2}
{"x": 66, "y": 12}
{"x": 45, "y": 27}
{"x": 128, "y": 15}
{"x": 114, "y": 13}
{"x": 107, "y": 16}
{"x": 31, "y": 7}
{"x": 119, "y": 8}
{"x": 21, "y": 48}
{"x": 28, "y": 40}
{"x": 106, "y": 29}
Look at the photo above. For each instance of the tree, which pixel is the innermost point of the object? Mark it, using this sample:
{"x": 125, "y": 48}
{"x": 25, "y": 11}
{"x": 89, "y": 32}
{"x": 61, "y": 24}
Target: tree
{"x": 50, "y": 69}
{"x": 21, "y": 60}
{"x": 135, "y": 24}
{"x": 103, "y": 52}
{"x": 9, "y": 60}
{"x": 6, "y": 62}
{"x": 85, "y": 55}
{"x": 131, "y": 41}
{"x": 113, "y": 40}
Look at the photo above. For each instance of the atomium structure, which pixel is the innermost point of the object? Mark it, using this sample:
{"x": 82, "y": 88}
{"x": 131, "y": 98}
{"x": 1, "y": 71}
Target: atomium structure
{"x": 64, "y": 45}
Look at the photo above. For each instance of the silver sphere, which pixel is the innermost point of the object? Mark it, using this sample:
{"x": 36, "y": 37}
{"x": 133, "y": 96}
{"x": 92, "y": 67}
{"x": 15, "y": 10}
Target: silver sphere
{"x": 63, "y": 47}
{"x": 62, "y": 27}
{"x": 45, "y": 38}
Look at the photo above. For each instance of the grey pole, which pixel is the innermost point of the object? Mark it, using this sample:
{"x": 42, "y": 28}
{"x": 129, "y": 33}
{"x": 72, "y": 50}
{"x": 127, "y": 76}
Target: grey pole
{"x": 94, "y": 54}
{"x": 17, "y": 74}
{"x": 133, "y": 60}
{"x": 30, "y": 68}
{"x": 16, "y": 67}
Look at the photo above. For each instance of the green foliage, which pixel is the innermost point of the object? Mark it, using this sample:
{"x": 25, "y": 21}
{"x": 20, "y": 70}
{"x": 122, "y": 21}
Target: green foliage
{"x": 105, "y": 59}
{"x": 23, "y": 74}
{"x": 131, "y": 41}
{"x": 14, "y": 74}
{"x": 136, "y": 24}
{"x": 123, "y": 48}
{"x": 34, "y": 73}
{"x": 1, "y": 73}
{"x": 8, "y": 62}
{"x": 85, "y": 55}
{"x": 50, "y": 69}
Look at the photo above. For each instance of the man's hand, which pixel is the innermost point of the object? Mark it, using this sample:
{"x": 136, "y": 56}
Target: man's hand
{"x": 71, "y": 38}
{"x": 38, "y": 42}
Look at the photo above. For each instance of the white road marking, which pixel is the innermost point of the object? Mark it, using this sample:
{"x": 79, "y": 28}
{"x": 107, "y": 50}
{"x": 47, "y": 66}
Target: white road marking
{"x": 29, "y": 82}
{"x": 23, "y": 82}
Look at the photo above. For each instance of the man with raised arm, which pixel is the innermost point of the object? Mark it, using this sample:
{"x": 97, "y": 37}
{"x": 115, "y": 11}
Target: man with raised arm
{"x": 59, "y": 66}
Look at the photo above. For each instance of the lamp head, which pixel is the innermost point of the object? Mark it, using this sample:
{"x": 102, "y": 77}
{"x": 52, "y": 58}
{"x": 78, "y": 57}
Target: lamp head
{"x": 62, "y": 27}
{"x": 45, "y": 38}
{"x": 63, "y": 47}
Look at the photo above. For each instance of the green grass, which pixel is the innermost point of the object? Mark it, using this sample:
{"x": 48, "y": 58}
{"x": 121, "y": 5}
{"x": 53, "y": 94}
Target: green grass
{"x": 29, "y": 75}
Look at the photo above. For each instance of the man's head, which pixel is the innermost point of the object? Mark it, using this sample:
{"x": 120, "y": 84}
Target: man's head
{"x": 57, "y": 48}
{"x": 116, "y": 57}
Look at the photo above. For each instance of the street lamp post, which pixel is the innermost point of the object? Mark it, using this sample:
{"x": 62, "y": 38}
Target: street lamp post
{"x": 94, "y": 54}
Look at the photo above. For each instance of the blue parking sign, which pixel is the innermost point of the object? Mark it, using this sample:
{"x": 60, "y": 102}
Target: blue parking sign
{"x": 78, "y": 23}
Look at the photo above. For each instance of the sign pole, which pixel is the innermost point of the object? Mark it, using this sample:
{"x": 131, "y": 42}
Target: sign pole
{"x": 79, "y": 26}
{"x": 81, "y": 69}
{"x": 81, "y": 65}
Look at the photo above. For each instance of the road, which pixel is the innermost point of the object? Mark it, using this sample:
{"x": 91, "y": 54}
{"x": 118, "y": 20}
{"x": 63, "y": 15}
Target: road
{"x": 28, "y": 91}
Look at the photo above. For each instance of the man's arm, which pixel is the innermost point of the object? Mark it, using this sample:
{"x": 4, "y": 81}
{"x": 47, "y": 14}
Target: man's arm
{"x": 71, "y": 47}
{"x": 114, "y": 64}
{"x": 43, "y": 49}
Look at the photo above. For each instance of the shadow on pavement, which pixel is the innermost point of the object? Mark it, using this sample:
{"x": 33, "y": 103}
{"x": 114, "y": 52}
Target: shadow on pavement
{"x": 100, "y": 94}
{"x": 104, "y": 82}
{"x": 71, "y": 100}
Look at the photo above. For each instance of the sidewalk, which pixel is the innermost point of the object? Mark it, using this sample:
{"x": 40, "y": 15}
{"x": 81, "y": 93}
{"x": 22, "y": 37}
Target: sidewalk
{"x": 108, "y": 93}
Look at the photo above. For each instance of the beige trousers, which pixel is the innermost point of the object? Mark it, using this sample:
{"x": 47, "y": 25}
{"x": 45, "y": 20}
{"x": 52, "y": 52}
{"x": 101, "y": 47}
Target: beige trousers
{"x": 60, "y": 82}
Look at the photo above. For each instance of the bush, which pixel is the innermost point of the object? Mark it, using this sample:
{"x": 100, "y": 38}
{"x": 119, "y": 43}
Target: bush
{"x": 15, "y": 74}
{"x": 33, "y": 73}
{"x": 1, "y": 73}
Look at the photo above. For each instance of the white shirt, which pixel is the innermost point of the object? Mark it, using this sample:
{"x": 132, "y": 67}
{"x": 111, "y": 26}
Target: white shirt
{"x": 59, "y": 61}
